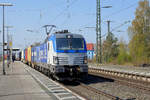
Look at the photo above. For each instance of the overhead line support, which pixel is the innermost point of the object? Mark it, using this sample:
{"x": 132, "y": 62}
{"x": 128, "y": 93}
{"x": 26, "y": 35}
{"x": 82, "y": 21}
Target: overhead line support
{"x": 98, "y": 33}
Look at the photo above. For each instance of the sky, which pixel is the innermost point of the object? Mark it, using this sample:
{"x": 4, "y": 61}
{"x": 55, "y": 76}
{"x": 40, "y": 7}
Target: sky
{"x": 74, "y": 15}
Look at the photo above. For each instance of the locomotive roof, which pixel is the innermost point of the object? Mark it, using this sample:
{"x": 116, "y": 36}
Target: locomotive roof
{"x": 63, "y": 35}
{"x": 58, "y": 35}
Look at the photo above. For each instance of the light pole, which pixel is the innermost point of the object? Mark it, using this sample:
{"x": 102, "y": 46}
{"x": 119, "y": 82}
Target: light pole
{"x": 3, "y": 5}
{"x": 8, "y": 45}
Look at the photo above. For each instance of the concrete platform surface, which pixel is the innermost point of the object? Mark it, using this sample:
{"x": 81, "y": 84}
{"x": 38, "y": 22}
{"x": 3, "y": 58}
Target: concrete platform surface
{"x": 18, "y": 84}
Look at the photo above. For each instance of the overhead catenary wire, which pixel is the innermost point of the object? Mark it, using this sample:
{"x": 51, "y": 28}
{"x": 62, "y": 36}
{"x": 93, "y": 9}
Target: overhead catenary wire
{"x": 72, "y": 3}
{"x": 114, "y": 13}
{"x": 123, "y": 9}
{"x": 68, "y": 13}
{"x": 118, "y": 27}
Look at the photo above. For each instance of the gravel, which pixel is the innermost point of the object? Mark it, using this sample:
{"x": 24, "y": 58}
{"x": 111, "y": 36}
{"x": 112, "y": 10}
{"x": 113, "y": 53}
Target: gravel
{"x": 116, "y": 89}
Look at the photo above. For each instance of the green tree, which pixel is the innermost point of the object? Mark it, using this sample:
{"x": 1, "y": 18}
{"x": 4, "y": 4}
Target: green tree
{"x": 139, "y": 34}
{"x": 123, "y": 56}
{"x": 110, "y": 48}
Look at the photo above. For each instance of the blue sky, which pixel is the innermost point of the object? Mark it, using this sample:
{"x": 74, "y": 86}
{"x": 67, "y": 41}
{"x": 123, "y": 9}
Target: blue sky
{"x": 33, "y": 14}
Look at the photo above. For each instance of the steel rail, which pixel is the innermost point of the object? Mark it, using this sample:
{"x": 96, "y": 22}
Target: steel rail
{"x": 97, "y": 92}
{"x": 100, "y": 92}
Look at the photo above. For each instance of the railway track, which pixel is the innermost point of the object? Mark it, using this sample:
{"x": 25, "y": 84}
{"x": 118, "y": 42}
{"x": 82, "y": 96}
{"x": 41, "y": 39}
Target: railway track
{"x": 92, "y": 93}
{"x": 96, "y": 93}
{"x": 101, "y": 92}
{"x": 133, "y": 76}
{"x": 142, "y": 85}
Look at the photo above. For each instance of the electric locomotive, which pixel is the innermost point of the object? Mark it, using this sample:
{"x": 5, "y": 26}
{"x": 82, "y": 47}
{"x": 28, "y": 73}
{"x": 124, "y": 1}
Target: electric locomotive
{"x": 63, "y": 56}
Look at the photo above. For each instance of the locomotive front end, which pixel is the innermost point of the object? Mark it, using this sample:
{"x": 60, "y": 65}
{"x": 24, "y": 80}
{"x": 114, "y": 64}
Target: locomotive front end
{"x": 70, "y": 58}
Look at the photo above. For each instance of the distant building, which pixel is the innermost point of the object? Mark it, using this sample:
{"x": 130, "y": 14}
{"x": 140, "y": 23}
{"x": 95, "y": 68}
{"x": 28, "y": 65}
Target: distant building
{"x": 90, "y": 50}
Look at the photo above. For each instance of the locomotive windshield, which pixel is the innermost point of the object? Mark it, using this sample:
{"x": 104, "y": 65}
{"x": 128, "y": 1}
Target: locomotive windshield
{"x": 70, "y": 43}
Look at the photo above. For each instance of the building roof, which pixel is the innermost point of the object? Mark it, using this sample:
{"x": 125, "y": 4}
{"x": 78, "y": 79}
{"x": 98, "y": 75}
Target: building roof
{"x": 90, "y": 46}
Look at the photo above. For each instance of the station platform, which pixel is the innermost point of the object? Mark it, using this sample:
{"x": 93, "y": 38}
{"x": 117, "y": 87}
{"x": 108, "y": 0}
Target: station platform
{"x": 21, "y": 82}
{"x": 18, "y": 84}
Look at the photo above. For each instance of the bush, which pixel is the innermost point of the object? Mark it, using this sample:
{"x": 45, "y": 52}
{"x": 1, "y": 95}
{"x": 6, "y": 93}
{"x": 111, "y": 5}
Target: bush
{"x": 123, "y": 58}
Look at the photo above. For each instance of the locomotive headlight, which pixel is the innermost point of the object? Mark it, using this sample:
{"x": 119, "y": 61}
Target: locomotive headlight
{"x": 85, "y": 60}
{"x": 55, "y": 60}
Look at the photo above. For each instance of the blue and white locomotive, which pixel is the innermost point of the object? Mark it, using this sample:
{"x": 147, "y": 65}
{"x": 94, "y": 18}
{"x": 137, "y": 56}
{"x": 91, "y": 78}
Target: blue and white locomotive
{"x": 63, "y": 56}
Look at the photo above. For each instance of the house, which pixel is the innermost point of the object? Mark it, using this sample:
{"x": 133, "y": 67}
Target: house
{"x": 90, "y": 51}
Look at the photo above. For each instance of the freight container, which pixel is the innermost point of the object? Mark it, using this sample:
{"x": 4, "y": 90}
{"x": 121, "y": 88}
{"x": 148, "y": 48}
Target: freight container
{"x": 22, "y": 55}
{"x": 29, "y": 55}
{"x": 26, "y": 55}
